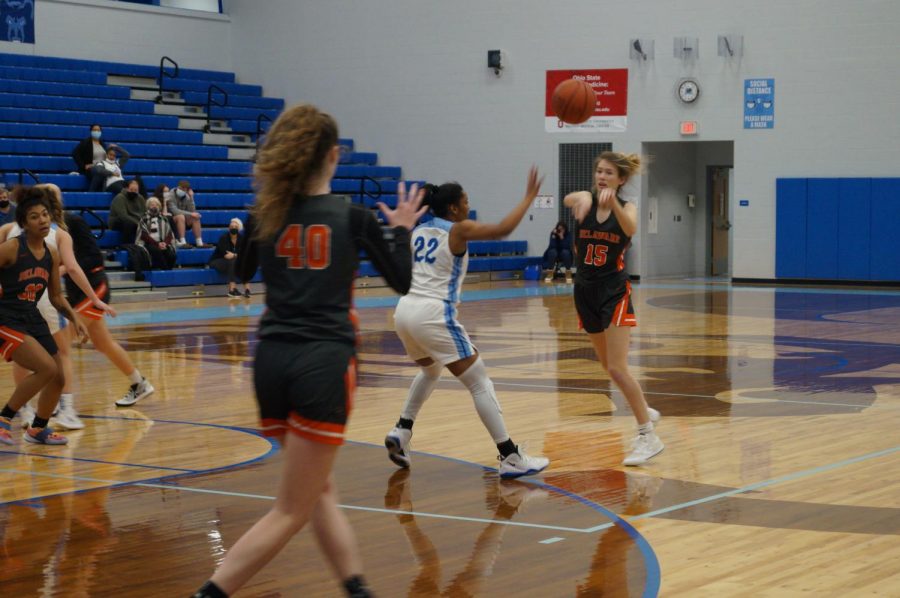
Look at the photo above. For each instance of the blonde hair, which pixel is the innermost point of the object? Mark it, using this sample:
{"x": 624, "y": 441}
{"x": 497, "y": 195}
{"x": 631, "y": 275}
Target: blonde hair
{"x": 154, "y": 200}
{"x": 54, "y": 196}
{"x": 293, "y": 153}
{"x": 240, "y": 223}
{"x": 626, "y": 165}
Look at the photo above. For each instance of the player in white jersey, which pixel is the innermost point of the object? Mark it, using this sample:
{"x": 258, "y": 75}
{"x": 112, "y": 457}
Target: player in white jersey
{"x": 426, "y": 321}
{"x": 58, "y": 239}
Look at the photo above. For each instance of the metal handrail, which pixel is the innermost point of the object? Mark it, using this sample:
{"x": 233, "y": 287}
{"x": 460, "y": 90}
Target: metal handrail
{"x": 163, "y": 74}
{"x": 210, "y": 103}
{"x": 259, "y": 130}
{"x": 92, "y": 214}
{"x": 24, "y": 171}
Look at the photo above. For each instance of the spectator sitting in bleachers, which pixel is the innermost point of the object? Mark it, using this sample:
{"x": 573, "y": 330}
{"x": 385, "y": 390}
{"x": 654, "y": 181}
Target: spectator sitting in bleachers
{"x": 156, "y": 236}
{"x": 225, "y": 256}
{"x": 87, "y": 154}
{"x": 126, "y": 211}
{"x": 559, "y": 251}
{"x": 7, "y": 208}
{"x": 107, "y": 174}
{"x": 180, "y": 204}
{"x": 162, "y": 193}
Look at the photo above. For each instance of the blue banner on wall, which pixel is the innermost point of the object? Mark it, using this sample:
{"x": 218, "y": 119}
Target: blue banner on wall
{"x": 759, "y": 103}
{"x": 17, "y": 21}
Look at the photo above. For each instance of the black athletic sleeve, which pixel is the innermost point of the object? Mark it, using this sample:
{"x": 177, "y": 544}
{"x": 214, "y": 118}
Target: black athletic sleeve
{"x": 248, "y": 252}
{"x": 395, "y": 264}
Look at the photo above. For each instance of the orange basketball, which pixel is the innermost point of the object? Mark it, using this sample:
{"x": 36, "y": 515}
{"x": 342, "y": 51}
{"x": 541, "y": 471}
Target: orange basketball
{"x": 573, "y": 101}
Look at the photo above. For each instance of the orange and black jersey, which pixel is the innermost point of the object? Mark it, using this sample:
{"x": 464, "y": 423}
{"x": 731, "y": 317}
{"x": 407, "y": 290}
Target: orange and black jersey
{"x": 601, "y": 248}
{"x": 310, "y": 266}
{"x": 24, "y": 282}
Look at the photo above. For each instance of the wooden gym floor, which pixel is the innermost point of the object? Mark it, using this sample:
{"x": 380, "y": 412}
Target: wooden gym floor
{"x": 780, "y": 477}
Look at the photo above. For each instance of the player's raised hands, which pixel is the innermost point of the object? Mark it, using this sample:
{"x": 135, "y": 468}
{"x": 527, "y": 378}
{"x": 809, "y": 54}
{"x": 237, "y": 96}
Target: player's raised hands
{"x": 408, "y": 209}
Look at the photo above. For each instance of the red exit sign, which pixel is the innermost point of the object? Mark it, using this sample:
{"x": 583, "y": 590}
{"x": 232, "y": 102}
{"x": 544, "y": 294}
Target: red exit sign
{"x": 688, "y": 127}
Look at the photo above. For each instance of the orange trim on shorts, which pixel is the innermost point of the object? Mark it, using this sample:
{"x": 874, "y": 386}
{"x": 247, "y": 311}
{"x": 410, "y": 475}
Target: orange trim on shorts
{"x": 87, "y": 309}
{"x": 621, "y": 317}
{"x": 11, "y": 340}
{"x": 273, "y": 427}
{"x": 323, "y": 432}
{"x": 350, "y": 385}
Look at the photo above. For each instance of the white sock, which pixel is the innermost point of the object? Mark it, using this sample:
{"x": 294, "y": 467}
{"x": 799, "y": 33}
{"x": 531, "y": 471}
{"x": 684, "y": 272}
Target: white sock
{"x": 645, "y": 428}
{"x": 476, "y": 380}
{"x": 67, "y": 400}
{"x": 135, "y": 377}
{"x": 181, "y": 240}
{"x": 420, "y": 389}
{"x": 199, "y": 241}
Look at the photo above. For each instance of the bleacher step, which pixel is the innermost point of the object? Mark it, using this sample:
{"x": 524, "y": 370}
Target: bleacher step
{"x": 137, "y": 82}
{"x": 124, "y": 296}
{"x": 184, "y": 110}
{"x": 197, "y": 124}
{"x": 147, "y": 94}
{"x": 228, "y": 139}
{"x": 121, "y": 285}
{"x": 120, "y": 276}
{"x": 241, "y": 153}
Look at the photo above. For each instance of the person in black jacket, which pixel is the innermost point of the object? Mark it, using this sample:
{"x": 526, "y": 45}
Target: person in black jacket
{"x": 559, "y": 250}
{"x": 87, "y": 154}
{"x": 307, "y": 241}
{"x": 224, "y": 257}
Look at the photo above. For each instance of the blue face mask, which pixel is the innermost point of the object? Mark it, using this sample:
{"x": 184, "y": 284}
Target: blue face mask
{"x": 96, "y": 134}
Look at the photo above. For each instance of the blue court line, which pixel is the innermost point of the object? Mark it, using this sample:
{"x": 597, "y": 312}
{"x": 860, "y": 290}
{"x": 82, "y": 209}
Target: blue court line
{"x": 273, "y": 447}
{"x": 771, "y": 482}
{"x": 256, "y": 309}
{"x": 82, "y": 459}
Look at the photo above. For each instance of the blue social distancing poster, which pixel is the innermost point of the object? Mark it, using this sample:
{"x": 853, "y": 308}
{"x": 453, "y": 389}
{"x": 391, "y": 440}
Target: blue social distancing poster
{"x": 759, "y": 103}
{"x": 17, "y": 21}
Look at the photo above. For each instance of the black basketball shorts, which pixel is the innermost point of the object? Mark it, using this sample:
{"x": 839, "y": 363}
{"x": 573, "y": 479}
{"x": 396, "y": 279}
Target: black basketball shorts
{"x": 605, "y": 305}
{"x": 305, "y": 388}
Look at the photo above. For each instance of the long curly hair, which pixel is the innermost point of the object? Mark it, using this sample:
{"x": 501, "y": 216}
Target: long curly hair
{"x": 292, "y": 155}
{"x": 54, "y": 194}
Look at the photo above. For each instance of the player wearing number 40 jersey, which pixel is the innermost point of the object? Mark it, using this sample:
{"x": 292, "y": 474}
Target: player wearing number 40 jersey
{"x": 606, "y": 225}
{"x": 308, "y": 242}
{"x": 426, "y": 321}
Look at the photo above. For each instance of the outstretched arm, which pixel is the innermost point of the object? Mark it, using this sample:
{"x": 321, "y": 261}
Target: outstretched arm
{"x": 74, "y": 271}
{"x": 470, "y": 230}
{"x": 59, "y": 302}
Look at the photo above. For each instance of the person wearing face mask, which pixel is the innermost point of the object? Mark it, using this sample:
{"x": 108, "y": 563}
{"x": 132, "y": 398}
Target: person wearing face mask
{"x": 7, "y": 208}
{"x": 225, "y": 256}
{"x": 157, "y": 237}
{"x": 180, "y": 204}
{"x": 126, "y": 211}
{"x": 90, "y": 151}
{"x": 108, "y": 173}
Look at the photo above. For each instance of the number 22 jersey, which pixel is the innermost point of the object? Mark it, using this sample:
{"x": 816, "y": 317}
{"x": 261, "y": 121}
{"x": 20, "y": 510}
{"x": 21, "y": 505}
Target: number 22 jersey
{"x": 437, "y": 273}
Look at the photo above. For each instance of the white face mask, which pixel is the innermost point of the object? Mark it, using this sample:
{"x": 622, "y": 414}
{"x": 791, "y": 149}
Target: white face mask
{"x": 180, "y": 193}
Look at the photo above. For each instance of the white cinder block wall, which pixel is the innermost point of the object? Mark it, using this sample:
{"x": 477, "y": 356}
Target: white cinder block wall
{"x": 408, "y": 78}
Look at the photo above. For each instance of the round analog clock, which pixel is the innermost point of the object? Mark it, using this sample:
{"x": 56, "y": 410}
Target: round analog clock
{"x": 688, "y": 91}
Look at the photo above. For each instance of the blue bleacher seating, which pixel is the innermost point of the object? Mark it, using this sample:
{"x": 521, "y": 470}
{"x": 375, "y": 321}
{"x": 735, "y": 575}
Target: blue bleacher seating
{"x": 47, "y": 104}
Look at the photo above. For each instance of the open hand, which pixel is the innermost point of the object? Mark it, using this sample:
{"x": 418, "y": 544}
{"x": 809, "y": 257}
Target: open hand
{"x": 408, "y": 211}
{"x": 104, "y": 307}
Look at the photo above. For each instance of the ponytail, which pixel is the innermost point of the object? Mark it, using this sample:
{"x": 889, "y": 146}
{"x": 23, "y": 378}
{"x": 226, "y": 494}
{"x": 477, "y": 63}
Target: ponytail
{"x": 294, "y": 152}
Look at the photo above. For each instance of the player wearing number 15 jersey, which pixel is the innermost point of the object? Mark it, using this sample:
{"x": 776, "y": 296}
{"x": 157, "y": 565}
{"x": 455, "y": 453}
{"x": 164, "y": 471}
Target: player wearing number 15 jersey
{"x": 606, "y": 225}
{"x": 426, "y": 320}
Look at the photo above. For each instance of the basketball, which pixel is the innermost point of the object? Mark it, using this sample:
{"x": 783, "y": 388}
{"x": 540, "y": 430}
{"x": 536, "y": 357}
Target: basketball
{"x": 573, "y": 101}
